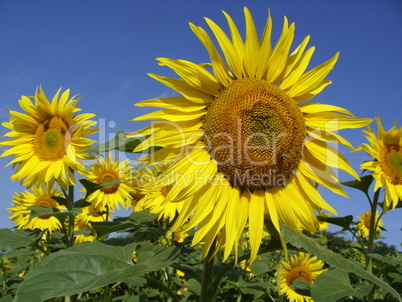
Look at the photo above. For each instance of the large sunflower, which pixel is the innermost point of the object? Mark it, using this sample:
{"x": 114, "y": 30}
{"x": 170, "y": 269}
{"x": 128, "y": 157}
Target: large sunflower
{"x": 244, "y": 143}
{"x": 107, "y": 170}
{"x": 299, "y": 267}
{"x": 386, "y": 149}
{"x": 46, "y": 141}
{"x": 39, "y": 195}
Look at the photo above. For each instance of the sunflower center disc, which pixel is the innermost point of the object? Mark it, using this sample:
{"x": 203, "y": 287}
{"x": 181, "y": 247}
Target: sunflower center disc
{"x": 392, "y": 163}
{"x": 255, "y": 132}
{"x": 50, "y": 139}
{"x": 45, "y": 202}
{"x": 108, "y": 177}
{"x": 299, "y": 273}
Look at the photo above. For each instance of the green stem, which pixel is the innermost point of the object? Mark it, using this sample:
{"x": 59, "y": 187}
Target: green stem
{"x": 207, "y": 275}
{"x": 161, "y": 286}
{"x": 271, "y": 246}
{"x": 370, "y": 245}
{"x": 71, "y": 217}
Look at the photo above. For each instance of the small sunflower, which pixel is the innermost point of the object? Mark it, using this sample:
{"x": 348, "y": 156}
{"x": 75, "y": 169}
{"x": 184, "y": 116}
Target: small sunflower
{"x": 363, "y": 225}
{"x": 82, "y": 221}
{"x": 39, "y": 195}
{"x": 244, "y": 142}
{"x": 299, "y": 267}
{"x": 107, "y": 170}
{"x": 153, "y": 195}
{"x": 46, "y": 141}
{"x": 386, "y": 149}
{"x": 323, "y": 224}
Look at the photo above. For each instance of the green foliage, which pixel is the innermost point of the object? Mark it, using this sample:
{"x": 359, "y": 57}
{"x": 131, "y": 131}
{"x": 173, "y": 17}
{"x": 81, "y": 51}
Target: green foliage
{"x": 88, "y": 266}
{"x": 301, "y": 241}
{"x": 334, "y": 285}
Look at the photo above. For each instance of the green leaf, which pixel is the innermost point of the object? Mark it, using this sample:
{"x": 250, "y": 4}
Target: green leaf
{"x": 297, "y": 239}
{"x": 390, "y": 261}
{"x": 122, "y": 143}
{"x": 37, "y": 211}
{"x": 88, "y": 266}
{"x": 60, "y": 200}
{"x": 302, "y": 288}
{"x": 334, "y": 285}
{"x": 136, "y": 219}
{"x": 91, "y": 187}
{"x": 343, "y": 222}
{"x": 10, "y": 239}
{"x": 363, "y": 184}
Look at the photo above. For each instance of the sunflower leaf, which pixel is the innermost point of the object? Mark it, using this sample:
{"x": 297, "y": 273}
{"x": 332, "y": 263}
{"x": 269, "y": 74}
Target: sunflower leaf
{"x": 136, "y": 219}
{"x": 91, "y": 187}
{"x": 298, "y": 240}
{"x": 121, "y": 143}
{"x": 91, "y": 265}
{"x": 343, "y": 222}
{"x": 363, "y": 184}
{"x": 37, "y": 211}
{"x": 10, "y": 239}
{"x": 334, "y": 285}
{"x": 302, "y": 288}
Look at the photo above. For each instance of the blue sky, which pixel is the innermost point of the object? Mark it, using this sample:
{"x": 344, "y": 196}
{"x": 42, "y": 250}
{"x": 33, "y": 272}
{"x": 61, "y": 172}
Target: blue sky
{"x": 102, "y": 51}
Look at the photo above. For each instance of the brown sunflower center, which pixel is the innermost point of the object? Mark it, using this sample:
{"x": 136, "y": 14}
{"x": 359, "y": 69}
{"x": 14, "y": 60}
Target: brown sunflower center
{"x": 391, "y": 162}
{"x": 366, "y": 220}
{"x": 299, "y": 273}
{"x": 51, "y": 139}
{"x": 45, "y": 202}
{"x": 108, "y": 176}
{"x": 255, "y": 132}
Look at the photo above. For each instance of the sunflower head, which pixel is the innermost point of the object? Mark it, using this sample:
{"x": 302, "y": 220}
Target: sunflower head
{"x": 108, "y": 169}
{"x": 46, "y": 141}
{"x": 82, "y": 221}
{"x": 39, "y": 195}
{"x": 243, "y": 142}
{"x": 303, "y": 267}
{"x": 363, "y": 226}
{"x": 386, "y": 166}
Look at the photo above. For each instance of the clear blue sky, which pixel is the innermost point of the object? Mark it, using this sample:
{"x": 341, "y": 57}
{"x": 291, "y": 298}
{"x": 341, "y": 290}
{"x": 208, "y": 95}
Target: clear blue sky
{"x": 102, "y": 50}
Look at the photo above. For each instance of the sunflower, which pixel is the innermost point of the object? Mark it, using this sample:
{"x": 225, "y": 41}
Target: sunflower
{"x": 386, "y": 149}
{"x": 39, "y": 195}
{"x": 46, "y": 141}
{"x": 88, "y": 214}
{"x": 107, "y": 170}
{"x": 323, "y": 224}
{"x": 151, "y": 196}
{"x": 363, "y": 225}
{"x": 245, "y": 144}
{"x": 299, "y": 267}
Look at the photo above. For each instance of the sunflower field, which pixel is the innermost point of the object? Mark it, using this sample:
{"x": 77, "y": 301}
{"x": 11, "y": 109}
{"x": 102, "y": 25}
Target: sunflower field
{"x": 221, "y": 186}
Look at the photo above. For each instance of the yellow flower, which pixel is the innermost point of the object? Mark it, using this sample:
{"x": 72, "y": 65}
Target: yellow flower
{"x": 323, "y": 225}
{"x": 46, "y": 141}
{"x": 364, "y": 224}
{"x": 82, "y": 221}
{"x": 153, "y": 195}
{"x": 107, "y": 170}
{"x": 245, "y": 144}
{"x": 39, "y": 195}
{"x": 386, "y": 149}
{"x": 299, "y": 267}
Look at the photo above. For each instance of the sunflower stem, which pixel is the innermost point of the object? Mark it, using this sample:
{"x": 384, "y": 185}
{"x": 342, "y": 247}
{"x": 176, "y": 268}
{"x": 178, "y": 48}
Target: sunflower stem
{"x": 207, "y": 276}
{"x": 370, "y": 244}
{"x": 71, "y": 217}
{"x": 161, "y": 286}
